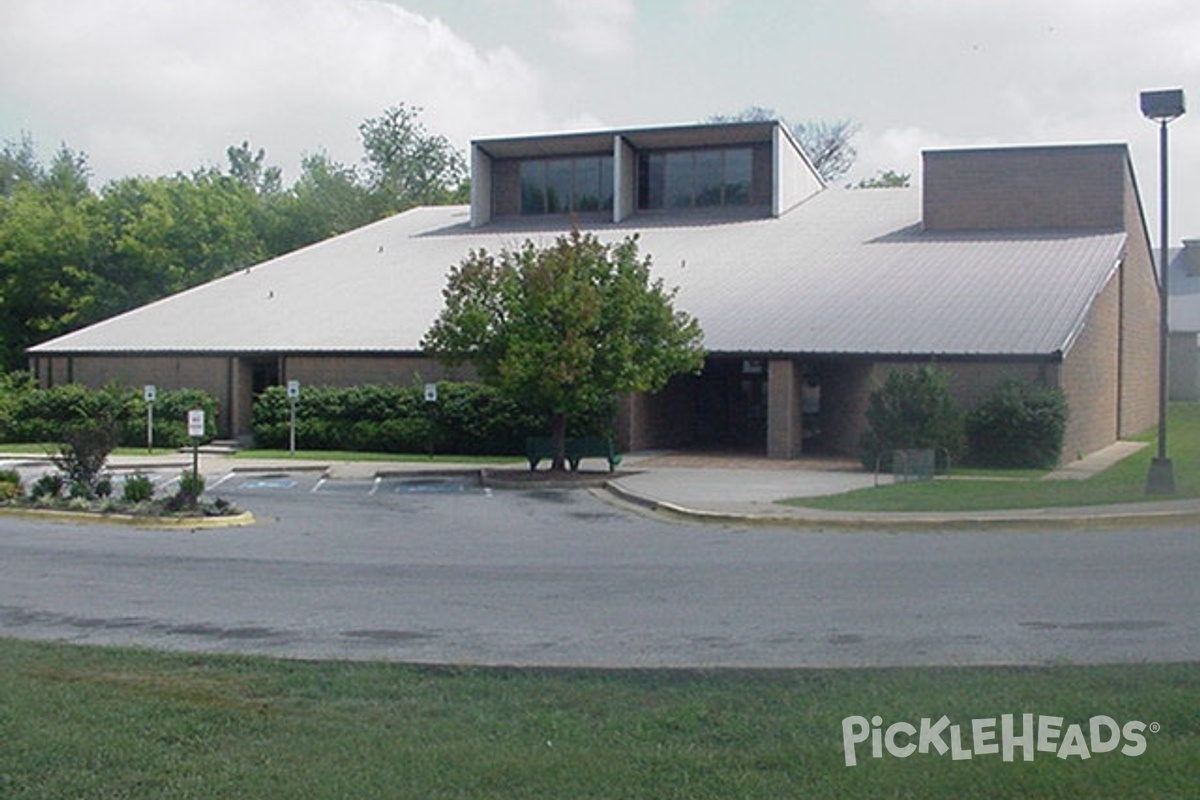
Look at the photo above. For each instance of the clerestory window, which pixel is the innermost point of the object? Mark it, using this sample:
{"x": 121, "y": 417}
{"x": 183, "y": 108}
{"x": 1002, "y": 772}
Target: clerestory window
{"x": 566, "y": 185}
{"x": 695, "y": 178}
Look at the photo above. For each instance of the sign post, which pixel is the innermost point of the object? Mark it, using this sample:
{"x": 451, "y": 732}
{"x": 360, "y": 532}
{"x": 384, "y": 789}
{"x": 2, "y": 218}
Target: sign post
{"x": 195, "y": 422}
{"x": 293, "y": 393}
{"x": 149, "y": 393}
{"x": 431, "y": 396}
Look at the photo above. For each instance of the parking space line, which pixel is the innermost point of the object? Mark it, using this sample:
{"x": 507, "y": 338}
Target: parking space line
{"x": 318, "y": 484}
{"x": 375, "y": 486}
{"x": 224, "y": 478}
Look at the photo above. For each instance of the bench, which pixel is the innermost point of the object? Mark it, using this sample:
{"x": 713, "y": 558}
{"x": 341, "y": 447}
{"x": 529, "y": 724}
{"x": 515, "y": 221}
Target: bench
{"x": 542, "y": 447}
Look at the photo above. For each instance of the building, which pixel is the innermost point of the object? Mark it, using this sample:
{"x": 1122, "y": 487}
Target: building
{"x": 1183, "y": 313}
{"x": 1028, "y": 262}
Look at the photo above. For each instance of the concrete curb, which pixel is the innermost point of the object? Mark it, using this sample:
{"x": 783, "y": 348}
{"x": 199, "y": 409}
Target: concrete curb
{"x": 1068, "y": 518}
{"x": 131, "y": 520}
{"x": 497, "y": 479}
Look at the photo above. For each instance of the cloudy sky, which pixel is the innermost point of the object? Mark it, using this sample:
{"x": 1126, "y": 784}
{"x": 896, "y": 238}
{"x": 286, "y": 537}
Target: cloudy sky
{"x": 157, "y": 86}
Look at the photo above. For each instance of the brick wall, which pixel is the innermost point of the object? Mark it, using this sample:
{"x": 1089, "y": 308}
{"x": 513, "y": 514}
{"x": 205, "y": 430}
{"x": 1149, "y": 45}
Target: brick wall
{"x": 1032, "y": 188}
{"x": 1090, "y": 376}
{"x": 1139, "y": 324}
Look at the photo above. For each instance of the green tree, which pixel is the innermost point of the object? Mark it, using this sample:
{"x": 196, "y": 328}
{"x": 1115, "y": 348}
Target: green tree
{"x": 248, "y": 168}
{"x": 169, "y": 234}
{"x": 19, "y": 165}
{"x": 565, "y": 328}
{"x": 885, "y": 179}
{"x": 408, "y": 166}
{"x": 52, "y": 237}
{"x": 327, "y": 198}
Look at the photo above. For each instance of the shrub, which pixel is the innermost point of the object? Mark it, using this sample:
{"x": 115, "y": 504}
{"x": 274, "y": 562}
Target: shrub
{"x": 47, "y": 487}
{"x": 83, "y": 453}
{"x": 14, "y": 386}
{"x": 468, "y": 418}
{"x": 138, "y": 489}
{"x": 28, "y": 414}
{"x": 1018, "y": 426}
{"x": 191, "y": 486}
{"x": 170, "y": 419}
{"x": 913, "y": 409}
{"x": 10, "y": 485}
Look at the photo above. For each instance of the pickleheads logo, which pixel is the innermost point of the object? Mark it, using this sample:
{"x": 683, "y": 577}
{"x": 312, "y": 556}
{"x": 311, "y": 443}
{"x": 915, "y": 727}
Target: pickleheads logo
{"x": 1029, "y": 733}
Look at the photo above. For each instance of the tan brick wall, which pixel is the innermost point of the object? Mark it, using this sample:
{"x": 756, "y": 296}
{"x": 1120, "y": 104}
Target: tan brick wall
{"x": 1090, "y": 378}
{"x": 333, "y": 370}
{"x": 1139, "y": 323}
{"x": 1033, "y": 188}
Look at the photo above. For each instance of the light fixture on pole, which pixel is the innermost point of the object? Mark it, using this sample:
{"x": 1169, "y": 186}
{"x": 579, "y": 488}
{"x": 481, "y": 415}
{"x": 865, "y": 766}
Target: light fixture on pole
{"x": 1162, "y": 106}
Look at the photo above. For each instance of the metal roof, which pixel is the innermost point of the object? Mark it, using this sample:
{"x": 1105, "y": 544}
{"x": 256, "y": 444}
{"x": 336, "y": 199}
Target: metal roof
{"x": 846, "y": 272}
{"x": 661, "y": 136}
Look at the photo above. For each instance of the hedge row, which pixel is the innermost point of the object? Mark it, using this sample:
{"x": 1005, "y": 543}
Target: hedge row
{"x": 1018, "y": 425}
{"x": 466, "y": 419}
{"x": 30, "y": 414}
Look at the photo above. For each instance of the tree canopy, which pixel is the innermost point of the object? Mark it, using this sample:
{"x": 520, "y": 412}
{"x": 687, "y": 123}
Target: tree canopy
{"x": 566, "y": 327}
{"x": 71, "y": 256}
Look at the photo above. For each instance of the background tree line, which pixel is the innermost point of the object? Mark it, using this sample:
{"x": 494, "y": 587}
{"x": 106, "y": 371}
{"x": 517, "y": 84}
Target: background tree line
{"x": 71, "y": 255}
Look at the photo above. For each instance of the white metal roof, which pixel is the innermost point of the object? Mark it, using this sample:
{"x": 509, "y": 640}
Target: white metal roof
{"x": 848, "y": 271}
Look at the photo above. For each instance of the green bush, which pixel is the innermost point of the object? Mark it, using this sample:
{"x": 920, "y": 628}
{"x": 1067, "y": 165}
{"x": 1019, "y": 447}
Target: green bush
{"x": 83, "y": 453}
{"x": 14, "y": 386}
{"x": 913, "y": 409}
{"x": 47, "y": 487}
{"x": 10, "y": 485}
{"x": 1018, "y": 426}
{"x": 468, "y": 418}
{"x": 170, "y": 419}
{"x": 29, "y": 414}
{"x": 138, "y": 489}
{"x": 191, "y": 486}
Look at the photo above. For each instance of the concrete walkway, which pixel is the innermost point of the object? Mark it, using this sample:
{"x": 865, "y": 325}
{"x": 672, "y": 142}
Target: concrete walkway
{"x": 748, "y": 491}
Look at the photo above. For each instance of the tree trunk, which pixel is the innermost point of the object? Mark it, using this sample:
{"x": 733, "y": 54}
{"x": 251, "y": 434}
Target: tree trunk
{"x": 558, "y": 434}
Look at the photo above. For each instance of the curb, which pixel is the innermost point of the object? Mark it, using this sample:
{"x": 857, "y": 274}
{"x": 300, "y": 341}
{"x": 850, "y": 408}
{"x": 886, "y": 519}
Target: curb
{"x": 495, "y": 479}
{"x": 130, "y": 520}
{"x": 281, "y": 468}
{"x": 1037, "y": 518}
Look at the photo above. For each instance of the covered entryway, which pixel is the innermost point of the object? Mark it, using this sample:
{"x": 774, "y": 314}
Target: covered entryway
{"x": 769, "y": 406}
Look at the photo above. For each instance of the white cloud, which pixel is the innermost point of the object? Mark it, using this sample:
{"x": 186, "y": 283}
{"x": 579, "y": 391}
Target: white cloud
{"x": 599, "y": 28}
{"x": 159, "y": 87}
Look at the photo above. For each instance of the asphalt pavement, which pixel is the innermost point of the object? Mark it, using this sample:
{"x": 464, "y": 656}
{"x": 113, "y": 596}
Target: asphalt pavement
{"x": 722, "y": 488}
{"x": 416, "y": 562}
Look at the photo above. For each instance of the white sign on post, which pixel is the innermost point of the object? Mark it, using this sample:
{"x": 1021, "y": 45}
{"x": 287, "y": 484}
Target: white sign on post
{"x": 431, "y": 393}
{"x": 293, "y": 389}
{"x": 150, "y": 392}
{"x": 195, "y": 421}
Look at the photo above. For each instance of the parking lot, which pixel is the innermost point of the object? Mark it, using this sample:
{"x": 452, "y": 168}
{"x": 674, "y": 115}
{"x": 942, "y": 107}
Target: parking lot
{"x": 430, "y": 566}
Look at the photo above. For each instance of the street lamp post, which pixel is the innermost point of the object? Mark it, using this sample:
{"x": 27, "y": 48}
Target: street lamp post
{"x": 1162, "y": 106}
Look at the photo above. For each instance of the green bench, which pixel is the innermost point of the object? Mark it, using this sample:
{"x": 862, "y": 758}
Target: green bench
{"x": 542, "y": 447}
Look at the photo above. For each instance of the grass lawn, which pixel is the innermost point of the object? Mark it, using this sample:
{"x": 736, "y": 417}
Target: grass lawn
{"x": 1124, "y": 482}
{"x": 95, "y": 722}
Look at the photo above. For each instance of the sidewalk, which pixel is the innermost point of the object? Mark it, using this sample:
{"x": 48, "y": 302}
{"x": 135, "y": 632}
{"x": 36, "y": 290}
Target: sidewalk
{"x": 749, "y": 490}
